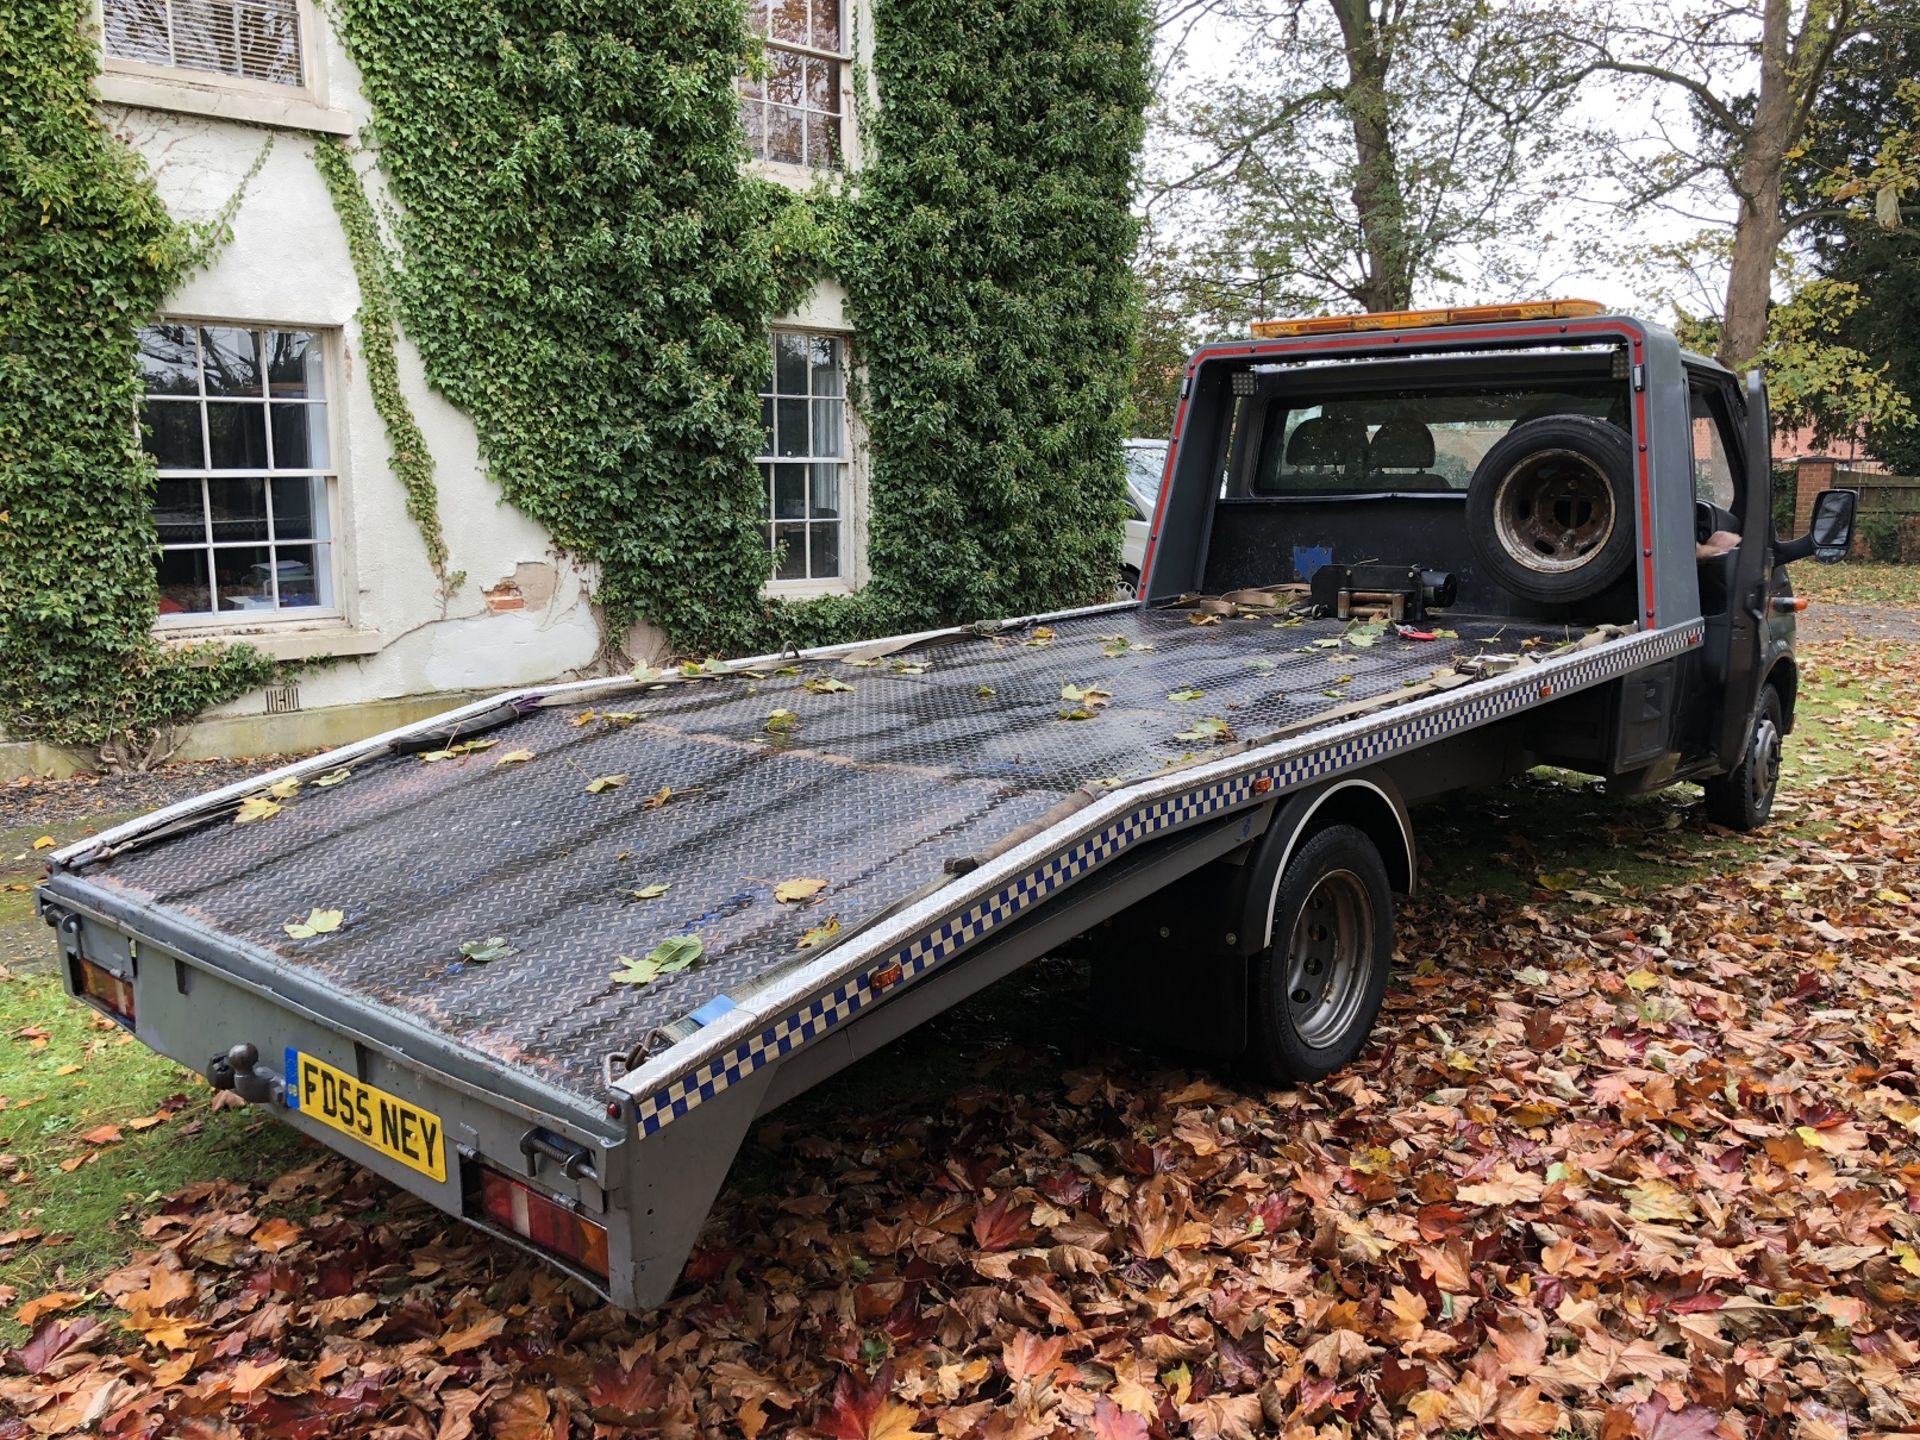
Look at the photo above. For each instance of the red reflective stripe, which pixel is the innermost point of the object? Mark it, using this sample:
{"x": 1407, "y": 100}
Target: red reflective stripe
{"x": 1435, "y": 337}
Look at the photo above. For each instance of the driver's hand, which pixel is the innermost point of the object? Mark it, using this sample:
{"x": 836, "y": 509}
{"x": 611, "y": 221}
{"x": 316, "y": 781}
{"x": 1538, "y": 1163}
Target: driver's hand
{"x": 1718, "y": 543}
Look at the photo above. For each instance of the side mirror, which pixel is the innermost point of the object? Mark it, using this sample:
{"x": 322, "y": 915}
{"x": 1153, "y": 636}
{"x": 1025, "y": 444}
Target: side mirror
{"x": 1829, "y": 535}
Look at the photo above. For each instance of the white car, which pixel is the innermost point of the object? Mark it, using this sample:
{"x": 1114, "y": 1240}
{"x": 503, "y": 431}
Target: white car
{"x": 1146, "y": 462}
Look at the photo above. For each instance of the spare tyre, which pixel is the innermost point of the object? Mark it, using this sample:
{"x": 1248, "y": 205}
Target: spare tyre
{"x": 1550, "y": 508}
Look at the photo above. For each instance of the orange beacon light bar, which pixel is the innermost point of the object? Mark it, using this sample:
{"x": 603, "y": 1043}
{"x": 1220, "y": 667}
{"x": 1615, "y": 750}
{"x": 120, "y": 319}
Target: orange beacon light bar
{"x": 1424, "y": 319}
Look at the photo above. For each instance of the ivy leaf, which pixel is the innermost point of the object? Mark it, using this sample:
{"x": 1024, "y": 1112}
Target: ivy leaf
{"x": 826, "y": 685}
{"x": 657, "y": 799}
{"x": 481, "y": 952}
{"x": 1185, "y": 695}
{"x": 256, "y": 807}
{"x": 1366, "y": 635}
{"x": 318, "y": 922}
{"x": 789, "y": 892}
{"x": 1042, "y": 636}
{"x": 651, "y": 892}
{"x": 912, "y": 667}
{"x": 669, "y": 957}
{"x": 514, "y": 757}
{"x": 820, "y": 934}
{"x": 601, "y": 784}
{"x": 285, "y": 789}
{"x": 1212, "y": 728}
{"x": 986, "y": 692}
{"x": 1199, "y": 619}
{"x": 782, "y": 722}
{"x": 332, "y": 778}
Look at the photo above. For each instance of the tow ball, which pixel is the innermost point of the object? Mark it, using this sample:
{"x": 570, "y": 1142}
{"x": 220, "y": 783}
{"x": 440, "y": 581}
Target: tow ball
{"x": 239, "y": 1071}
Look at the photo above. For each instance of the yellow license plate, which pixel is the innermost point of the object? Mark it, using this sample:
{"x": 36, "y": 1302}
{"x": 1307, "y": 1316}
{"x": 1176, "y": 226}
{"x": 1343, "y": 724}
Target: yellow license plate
{"x": 378, "y": 1120}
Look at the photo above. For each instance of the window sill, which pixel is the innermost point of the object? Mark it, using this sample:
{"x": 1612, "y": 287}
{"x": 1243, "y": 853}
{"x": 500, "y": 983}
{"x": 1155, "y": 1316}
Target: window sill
{"x": 796, "y": 177}
{"x": 805, "y": 589}
{"x": 281, "y": 640}
{"x": 294, "y": 111}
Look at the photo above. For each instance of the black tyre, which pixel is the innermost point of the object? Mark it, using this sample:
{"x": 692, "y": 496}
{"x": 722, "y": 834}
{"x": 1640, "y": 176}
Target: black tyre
{"x": 1317, "y": 987}
{"x": 1550, "y": 508}
{"x": 1742, "y": 799}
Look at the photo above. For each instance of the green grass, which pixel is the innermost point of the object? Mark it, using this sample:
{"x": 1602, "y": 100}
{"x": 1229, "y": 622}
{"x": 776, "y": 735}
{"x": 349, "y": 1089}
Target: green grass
{"x": 118, "y": 1080}
{"x": 1860, "y": 582}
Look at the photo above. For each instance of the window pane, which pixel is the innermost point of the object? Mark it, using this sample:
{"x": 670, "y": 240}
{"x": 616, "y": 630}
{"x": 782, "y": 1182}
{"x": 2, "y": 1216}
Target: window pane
{"x": 296, "y": 365}
{"x": 243, "y": 578}
{"x": 825, "y": 353}
{"x": 826, "y": 24}
{"x": 823, "y": 84}
{"x": 789, "y": 20}
{"x": 786, "y": 140}
{"x": 792, "y": 564}
{"x": 300, "y": 508}
{"x": 236, "y": 435}
{"x": 826, "y": 428}
{"x": 204, "y": 36}
{"x": 826, "y": 491}
{"x": 757, "y": 15}
{"x": 137, "y": 30}
{"x": 178, "y": 513}
{"x": 825, "y": 550}
{"x": 172, "y": 434}
{"x": 183, "y": 583}
{"x": 789, "y": 492}
{"x": 239, "y": 509}
{"x": 303, "y": 576}
{"x": 822, "y": 140}
{"x": 792, "y": 434}
{"x": 168, "y": 360}
{"x": 786, "y": 77}
{"x": 753, "y": 119}
{"x": 232, "y": 360}
{"x": 790, "y": 368}
{"x": 766, "y": 424}
{"x": 269, "y": 41}
{"x": 299, "y": 437}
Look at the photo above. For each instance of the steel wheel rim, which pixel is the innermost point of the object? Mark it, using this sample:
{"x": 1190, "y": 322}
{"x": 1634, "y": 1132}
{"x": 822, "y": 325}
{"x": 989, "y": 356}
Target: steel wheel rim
{"x": 1763, "y": 766}
{"x": 1328, "y": 956}
{"x": 1554, "y": 511}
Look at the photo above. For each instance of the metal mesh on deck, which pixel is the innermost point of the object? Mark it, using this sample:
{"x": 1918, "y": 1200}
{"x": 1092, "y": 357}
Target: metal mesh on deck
{"x": 873, "y": 792}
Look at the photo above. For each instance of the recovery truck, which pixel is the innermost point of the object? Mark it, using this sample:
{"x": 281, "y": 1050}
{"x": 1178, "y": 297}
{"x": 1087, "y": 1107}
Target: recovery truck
{"x": 539, "y": 962}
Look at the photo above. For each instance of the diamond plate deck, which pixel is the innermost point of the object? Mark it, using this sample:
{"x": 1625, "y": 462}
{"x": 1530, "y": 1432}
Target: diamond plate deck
{"x": 874, "y": 791}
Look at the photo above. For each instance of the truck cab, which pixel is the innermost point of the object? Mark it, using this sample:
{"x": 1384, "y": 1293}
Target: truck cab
{"x": 1557, "y": 464}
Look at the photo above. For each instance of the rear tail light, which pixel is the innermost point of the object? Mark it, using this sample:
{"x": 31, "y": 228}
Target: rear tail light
{"x": 542, "y": 1221}
{"x": 105, "y": 989}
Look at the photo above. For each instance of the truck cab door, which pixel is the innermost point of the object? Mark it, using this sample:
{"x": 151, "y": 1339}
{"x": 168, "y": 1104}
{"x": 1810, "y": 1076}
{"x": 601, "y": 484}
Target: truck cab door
{"x": 1747, "y": 630}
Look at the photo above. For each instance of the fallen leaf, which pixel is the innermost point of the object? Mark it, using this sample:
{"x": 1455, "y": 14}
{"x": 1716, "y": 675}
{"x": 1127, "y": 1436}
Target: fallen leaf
{"x": 788, "y": 892}
{"x": 669, "y": 957}
{"x": 820, "y": 934}
{"x": 318, "y": 922}
{"x": 513, "y": 757}
{"x": 603, "y": 783}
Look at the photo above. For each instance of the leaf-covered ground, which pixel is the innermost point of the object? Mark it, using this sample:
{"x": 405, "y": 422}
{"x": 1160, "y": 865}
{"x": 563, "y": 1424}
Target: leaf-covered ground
{"x": 1636, "y": 1152}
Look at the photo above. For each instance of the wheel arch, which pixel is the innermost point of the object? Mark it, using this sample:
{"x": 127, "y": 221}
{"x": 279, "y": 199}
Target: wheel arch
{"x": 1785, "y": 678}
{"x": 1370, "y": 803}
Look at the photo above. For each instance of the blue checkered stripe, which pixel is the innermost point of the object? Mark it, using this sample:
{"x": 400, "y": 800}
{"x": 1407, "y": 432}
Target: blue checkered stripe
{"x": 936, "y": 946}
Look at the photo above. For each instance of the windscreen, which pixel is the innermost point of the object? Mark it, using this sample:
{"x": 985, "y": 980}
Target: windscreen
{"x": 1404, "y": 440}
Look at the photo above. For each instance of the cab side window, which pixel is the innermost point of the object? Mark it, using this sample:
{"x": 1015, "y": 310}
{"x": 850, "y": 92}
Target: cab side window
{"x": 1714, "y": 450}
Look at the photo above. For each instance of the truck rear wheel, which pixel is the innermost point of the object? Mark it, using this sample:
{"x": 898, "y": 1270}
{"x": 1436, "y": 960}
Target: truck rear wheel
{"x": 1550, "y": 508}
{"x": 1317, "y": 987}
{"x": 1742, "y": 799}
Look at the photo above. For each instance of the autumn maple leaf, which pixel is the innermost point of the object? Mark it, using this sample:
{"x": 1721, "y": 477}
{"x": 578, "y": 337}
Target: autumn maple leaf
{"x": 625, "y": 1395}
{"x": 1110, "y": 1422}
{"x": 866, "y": 1411}
{"x": 1655, "y": 1419}
{"x": 999, "y": 1227}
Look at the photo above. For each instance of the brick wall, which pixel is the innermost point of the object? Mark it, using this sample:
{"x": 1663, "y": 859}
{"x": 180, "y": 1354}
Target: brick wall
{"x": 1812, "y": 474}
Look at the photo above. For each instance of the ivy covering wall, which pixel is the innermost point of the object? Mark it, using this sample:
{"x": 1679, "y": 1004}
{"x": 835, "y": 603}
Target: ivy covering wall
{"x": 590, "y": 271}
{"x": 89, "y": 253}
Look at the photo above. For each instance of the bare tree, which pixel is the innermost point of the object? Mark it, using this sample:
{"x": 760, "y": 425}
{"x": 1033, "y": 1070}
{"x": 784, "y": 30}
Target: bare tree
{"x": 1371, "y": 151}
{"x": 1749, "y": 73}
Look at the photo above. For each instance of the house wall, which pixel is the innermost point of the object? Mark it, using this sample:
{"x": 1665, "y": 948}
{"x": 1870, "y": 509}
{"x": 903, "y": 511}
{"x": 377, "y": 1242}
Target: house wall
{"x": 522, "y": 615}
